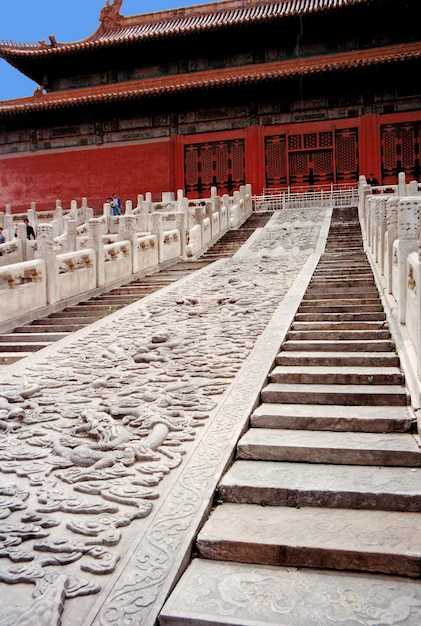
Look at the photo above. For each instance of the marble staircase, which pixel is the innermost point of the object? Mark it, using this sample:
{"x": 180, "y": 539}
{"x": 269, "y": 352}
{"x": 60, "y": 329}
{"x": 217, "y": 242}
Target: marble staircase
{"x": 23, "y": 341}
{"x": 318, "y": 519}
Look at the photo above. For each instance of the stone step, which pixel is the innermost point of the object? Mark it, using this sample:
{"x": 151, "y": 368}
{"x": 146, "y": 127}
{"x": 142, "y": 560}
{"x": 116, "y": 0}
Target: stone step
{"x": 374, "y": 419}
{"x": 321, "y": 307}
{"x": 365, "y": 395}
{"x": 22, "y": 338}
{"x": 220, "y": 593}
{"x": 387, "y": 542}
{"x": 335, "y": 282}
{"x": 315, "y": 293}
{"x": 92, "y": 308}
{"x": 339, "y": 325}
{"x": 338, "y": 448}
{"x": 87, "y": 317}
{"x": 341, "y": 288}
{"x": 7, "y": 358}
{"x": 337, "y": 335}
{"x": 336, "y": 375}
{"x": 340, "y": 317}
{"x": 275, "y": 483}
{"x": 49, "y": 328}
{"x": 30, "y": 346}
{"x": 374, "y": 345}
{"x": 364, "y": 359}
{"x": 67, "y": 320}
{"x": 334, "y": 271}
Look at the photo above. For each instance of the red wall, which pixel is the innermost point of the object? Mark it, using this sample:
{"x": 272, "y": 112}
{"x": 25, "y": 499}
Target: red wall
{"x": 44, "y": 177}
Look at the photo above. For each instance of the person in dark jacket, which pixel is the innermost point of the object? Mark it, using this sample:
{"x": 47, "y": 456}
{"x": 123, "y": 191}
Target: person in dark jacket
{"x": 372, "y": 181}
{"x": 30, "y": 233}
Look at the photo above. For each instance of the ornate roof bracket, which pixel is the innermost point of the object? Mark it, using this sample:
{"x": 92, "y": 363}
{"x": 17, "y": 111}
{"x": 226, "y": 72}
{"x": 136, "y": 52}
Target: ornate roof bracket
{"x": 110, "y": 16}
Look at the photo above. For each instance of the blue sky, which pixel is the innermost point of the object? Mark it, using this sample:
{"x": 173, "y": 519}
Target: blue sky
{"x": 67, "y": 20}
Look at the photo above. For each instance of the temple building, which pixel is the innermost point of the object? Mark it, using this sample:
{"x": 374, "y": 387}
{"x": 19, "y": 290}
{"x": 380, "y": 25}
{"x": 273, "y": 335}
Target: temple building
{"x": 289, "y": 94}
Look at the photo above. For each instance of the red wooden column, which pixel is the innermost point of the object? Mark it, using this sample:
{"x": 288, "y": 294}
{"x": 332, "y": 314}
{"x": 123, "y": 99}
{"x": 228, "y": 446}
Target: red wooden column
{"x": 369, "y": 146}
{"x": 255, "y": 159}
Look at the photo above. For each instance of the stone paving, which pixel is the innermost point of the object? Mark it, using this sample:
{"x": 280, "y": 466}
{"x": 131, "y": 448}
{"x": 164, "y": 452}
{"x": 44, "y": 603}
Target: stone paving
{"x": 113, "y": 440}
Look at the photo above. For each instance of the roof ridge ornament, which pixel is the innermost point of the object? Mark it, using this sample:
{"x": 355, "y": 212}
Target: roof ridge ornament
{"x": 110, "y": 15}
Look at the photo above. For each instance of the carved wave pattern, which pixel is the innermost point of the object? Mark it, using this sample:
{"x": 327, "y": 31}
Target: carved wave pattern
{"x": 93, "y": 434}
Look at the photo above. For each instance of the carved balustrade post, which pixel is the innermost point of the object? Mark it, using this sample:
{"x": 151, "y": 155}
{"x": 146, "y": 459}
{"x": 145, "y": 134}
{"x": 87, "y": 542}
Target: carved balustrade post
{"x": 95, "y": 242}
{"x": 209, "y": 215}
{"x": 8, "y": 222}
{"x": 58, "y": 217}
{"x": 32, "y": 216}
{"x": 390, "y": 237}
{"x": 157, "y": 230}
{"x": 45, "y": 251}
{"x": 144, "y": 225}
{"x": 73, "y": 211}
{"x": 408, "y": 216}
{"x": 71, "y": 235}
{"x": 21, "y": 235}
{"x": 381, "y": 236}
{"x": 248, "y": 198}
{"x": 402, "y": 188}
{"x": 127, "y": 232}
{"x": 180, "y": 220}
{"x": 216, "y": 204}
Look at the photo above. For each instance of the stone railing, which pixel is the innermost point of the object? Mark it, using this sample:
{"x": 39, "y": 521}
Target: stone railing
{"x": 23, "y": 288}
{"x": 391, "y": 223}
{"x": 79, "y": 259}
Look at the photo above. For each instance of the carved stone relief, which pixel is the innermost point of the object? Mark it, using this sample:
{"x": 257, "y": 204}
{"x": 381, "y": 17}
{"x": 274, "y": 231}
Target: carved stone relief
{"x": 92, "y": 432}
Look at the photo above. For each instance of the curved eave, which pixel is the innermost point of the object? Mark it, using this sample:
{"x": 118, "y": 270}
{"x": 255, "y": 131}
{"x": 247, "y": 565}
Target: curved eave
{"x": 185, "y": 83}
{"x": 146, "y": 28}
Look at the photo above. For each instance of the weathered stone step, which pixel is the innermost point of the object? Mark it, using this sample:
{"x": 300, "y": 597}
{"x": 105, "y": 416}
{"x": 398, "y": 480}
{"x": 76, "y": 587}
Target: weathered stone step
{"x": 339, "y": 291}
{"x": 220, "y": 593}
{"x": 365, "y": 395}
{"x": 333, "y": 269}
{"x": 336, "y": 375}
{"x": 341, "y": 448}
{"x": 339, "y": 325}
{"x": 88, "y": 308}
{"x": 375, "y": 345}
{"x": 337, "y": 335}
{"x": 340, "y": 317}
{"x": 339, "y": 284}
{"x": 275, "y": 483}
{"x": 29, "y": 346}
{"x": 386, "y": 542}
{"x": 330, "y": 306}
{"x": 87, "y": 316}
{"x": 22, "y": 338}
{"x": 49, "y": 328}
{"x": 374, "y": 419}
{"x": 67, "y": 320}
{"x": 134, "y": 291}
{"x": 7, "y": 358}
{"x": 364, "y": 359}
{"x": 349, "y": 302}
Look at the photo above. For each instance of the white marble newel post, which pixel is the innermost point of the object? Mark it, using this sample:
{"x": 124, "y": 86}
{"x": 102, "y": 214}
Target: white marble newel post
{"x": 180, "y": 220}
{"x": 127, "y": 232}
{"x": 95, "y": 242}
{"x": 45, "y": 251}
{"x": 157, "y": 230}
{"x": 408, "y": 211}
{"x": 391, "y": 236}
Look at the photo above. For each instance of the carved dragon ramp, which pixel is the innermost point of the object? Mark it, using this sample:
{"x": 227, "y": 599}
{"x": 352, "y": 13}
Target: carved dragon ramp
{"x": 113, "y": 439}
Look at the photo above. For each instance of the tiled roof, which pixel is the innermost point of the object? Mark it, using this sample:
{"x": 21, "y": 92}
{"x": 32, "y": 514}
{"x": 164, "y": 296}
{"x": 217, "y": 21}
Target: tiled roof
{"x": 185, "y": 83}
{"x": 199, "y": 18}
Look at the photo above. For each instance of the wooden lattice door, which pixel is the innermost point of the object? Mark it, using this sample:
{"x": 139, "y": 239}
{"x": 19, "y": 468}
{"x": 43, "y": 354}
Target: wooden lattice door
{"x": 400, "y": 150}
{"x": 219, "y": 164}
